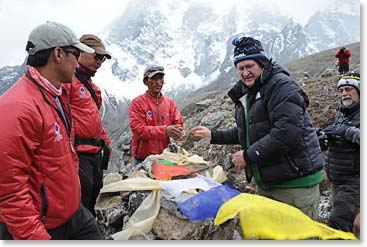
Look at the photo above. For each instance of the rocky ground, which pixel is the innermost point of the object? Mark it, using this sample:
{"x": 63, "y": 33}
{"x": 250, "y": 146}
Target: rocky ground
{"x": 215, "y": 111}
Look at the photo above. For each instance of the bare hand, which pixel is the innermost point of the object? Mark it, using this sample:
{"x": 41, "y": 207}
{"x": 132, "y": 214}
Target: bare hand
{"x": 202, "y": 132}
{"x": 238, "y": 161}
{"x": 175, "y": 131}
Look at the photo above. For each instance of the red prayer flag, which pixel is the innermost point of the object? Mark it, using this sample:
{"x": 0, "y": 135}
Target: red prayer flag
{"x": 163, "y": 169}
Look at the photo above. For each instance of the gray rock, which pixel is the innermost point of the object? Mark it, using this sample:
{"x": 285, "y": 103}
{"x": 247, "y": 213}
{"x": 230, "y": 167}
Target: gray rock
{"x": 169, "y": 227}
{"x": 214, "y": 119}
{"x": 205, "y": 103}
{"x": 168, "y": 202}
{"x": 324, "y": 209}
{"x": 117, "y": 161}
{"x": 110, "y": 210}
{"x": 111, "y": 178}
{"x": 135, "y": 199}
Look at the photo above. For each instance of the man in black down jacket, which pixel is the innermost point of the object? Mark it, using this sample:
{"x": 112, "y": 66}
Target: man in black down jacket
{"x": 343, "y": 155}
{"x": 280, "y": 146}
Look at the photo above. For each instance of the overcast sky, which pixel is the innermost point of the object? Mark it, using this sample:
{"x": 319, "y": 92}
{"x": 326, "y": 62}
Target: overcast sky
{"x": 19, "y": 17}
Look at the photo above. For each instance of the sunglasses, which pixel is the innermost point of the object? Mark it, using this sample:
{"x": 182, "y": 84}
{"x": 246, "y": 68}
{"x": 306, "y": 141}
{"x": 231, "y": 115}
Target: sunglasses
{"x": 74, "y": 52}
{"x": 100, "y": 57}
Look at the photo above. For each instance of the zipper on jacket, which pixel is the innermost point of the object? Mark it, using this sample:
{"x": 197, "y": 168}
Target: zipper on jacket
{"x": 290, "y": 161}
{"x": 158, "y": 142}
{"x": 44, "y": 203}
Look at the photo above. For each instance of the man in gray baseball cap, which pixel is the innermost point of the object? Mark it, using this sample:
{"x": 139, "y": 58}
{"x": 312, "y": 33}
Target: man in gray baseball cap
{"x": 39, "y": 182}
{"x": 53, "y": 34}
{"x": 154, "y": 117}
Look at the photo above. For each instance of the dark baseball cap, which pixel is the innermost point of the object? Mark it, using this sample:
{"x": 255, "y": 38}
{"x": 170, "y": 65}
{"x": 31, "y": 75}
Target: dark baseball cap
{"x": 96, "y": 43}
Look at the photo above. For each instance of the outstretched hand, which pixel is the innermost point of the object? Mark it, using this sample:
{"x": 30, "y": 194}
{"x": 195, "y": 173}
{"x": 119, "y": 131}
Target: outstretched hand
{"x": 175, "y": 131}
{"x": 202, "y": 132}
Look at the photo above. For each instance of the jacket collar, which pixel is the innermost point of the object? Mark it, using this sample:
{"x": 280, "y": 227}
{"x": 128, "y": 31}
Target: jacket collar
{"x": 351, "y": 109}
{"x": 43, "y": 82}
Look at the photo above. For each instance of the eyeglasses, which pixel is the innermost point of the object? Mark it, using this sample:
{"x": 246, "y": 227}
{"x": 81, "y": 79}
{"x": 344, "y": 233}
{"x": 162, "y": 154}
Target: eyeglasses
{"x": 153, "y": 69}
{"x": 100, "y": 57}
{"x": 74, "y": 52}
{"x": 249, "y": 67}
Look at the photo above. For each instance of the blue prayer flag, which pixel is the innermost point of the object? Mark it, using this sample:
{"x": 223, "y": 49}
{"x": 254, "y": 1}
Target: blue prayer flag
{"x": 204, "y": 206}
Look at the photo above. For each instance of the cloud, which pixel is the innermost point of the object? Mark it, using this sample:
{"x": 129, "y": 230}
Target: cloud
{"x": 19, "y": 17}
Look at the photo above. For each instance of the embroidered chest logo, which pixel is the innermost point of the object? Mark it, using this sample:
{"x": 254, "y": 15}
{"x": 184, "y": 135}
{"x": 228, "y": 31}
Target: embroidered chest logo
{"x": 258, "y": 95}
{"x": 82, "y": 91}
{"x": 149, "y": 115}
{"x": 57, "y": 132}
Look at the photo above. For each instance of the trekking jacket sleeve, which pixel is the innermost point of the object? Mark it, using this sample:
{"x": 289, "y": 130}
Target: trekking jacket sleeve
{"x": 337, "y": 55}
{"x": 347, "y": 53}
{"x": 225, "y": 136}
{"x": 352, "y": 134}
{"x": 19, "y": 140}
{"x": 98, "y": 92}
{"x": 105, "y": 136}
{"x": 99, "y": 104}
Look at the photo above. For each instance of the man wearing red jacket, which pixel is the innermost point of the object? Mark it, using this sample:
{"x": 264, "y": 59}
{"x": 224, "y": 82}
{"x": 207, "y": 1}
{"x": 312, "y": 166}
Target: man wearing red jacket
{"x": 91, "y": 140}
{"x": 39, "y": 183}
{"x": 154, "y": 118}
{"x": 343, "y": 56}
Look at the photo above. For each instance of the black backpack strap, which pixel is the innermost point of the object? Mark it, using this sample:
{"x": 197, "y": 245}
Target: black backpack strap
{"x": 87, "y": 85}
{"x": 97, "y": 142}
{"x": 4, "y": 232}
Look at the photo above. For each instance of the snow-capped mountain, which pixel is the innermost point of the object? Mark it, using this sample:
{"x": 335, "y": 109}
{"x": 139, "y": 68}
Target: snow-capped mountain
{"x": 9, "y": 75}
{"x": 335, "y": 26}
{"x": 192, "y": 40}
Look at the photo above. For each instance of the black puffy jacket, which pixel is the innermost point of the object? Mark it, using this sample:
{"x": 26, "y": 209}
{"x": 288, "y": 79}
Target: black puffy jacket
{"x": 343, "y": 156}
{"x": 284, "y": 145}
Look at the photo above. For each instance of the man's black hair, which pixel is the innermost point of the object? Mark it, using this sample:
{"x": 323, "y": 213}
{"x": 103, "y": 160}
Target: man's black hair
{"x": 40, "y": 58}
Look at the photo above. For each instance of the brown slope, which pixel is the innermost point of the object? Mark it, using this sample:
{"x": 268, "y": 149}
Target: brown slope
{"x": 317, "y": 63}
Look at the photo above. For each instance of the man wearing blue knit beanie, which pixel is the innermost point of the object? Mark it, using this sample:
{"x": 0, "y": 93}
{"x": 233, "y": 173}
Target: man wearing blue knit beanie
{"x": 280, "y": 146}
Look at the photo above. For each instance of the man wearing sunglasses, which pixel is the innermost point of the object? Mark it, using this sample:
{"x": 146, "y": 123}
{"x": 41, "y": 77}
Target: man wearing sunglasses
{"x": 154, "y": 118}
{"x": 91, "y": 140}
{"x": 39, "y": 182}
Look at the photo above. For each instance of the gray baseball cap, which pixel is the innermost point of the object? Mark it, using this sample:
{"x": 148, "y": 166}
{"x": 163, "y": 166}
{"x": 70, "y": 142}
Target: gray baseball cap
{"x": 152, "y": 70}
{"x": 52, "y": 34}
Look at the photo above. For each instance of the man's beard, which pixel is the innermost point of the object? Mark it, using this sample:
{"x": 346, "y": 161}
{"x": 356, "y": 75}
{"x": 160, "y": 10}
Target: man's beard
{"x": 347, "y": 102}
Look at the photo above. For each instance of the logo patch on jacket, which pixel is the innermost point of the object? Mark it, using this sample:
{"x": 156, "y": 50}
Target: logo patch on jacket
{"x": 258, "y": 95}
{"x": 57, "y": 132}
{"x": 82, "y": 91}
{"x": 149, "y": 114}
